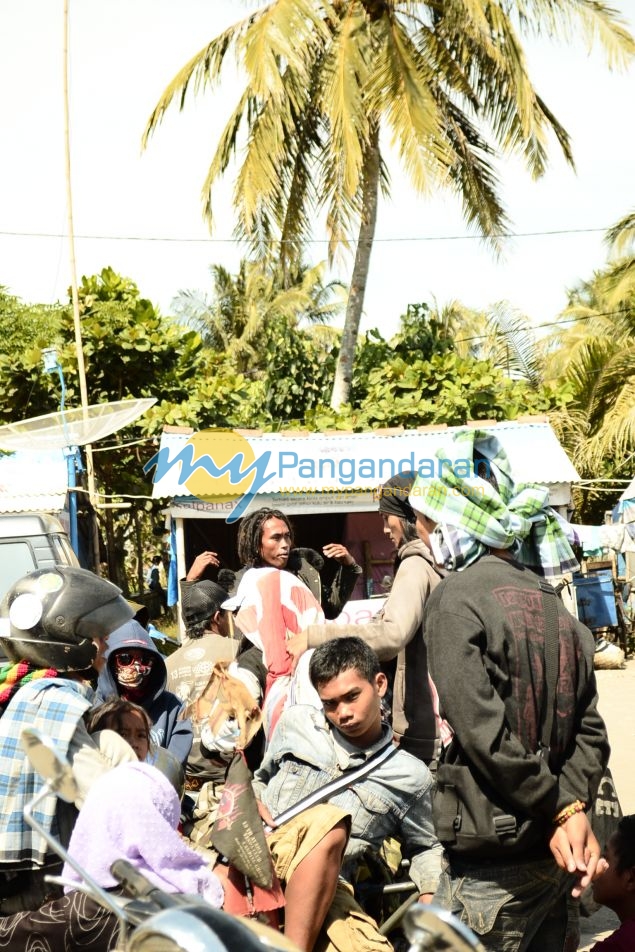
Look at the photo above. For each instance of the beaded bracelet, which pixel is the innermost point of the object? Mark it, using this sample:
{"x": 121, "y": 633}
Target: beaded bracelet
{"x": 576, "y": 807}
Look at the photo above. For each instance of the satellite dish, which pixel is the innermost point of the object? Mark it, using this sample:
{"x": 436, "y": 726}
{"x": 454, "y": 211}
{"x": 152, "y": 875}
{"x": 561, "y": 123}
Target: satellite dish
{"x": 72, "y": 427}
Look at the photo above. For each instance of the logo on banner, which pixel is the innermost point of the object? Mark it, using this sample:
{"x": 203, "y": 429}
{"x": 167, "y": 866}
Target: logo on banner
{"x": 216, "y": 466}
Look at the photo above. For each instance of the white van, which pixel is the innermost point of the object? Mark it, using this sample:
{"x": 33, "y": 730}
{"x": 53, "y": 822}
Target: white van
{"x": 29, "y": 541}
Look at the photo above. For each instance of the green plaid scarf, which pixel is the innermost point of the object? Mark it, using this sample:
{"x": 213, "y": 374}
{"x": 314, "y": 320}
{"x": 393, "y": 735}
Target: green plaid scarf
{"x": 472, "y": 516}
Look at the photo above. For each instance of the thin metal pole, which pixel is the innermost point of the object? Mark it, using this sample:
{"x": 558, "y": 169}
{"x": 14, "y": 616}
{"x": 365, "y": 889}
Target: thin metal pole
{"x": 81, "y": 370}
{"x": 79, "y": 350}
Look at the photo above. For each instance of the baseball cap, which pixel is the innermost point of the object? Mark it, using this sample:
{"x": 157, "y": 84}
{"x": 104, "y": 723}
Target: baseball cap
{"x": 201, "y": 600}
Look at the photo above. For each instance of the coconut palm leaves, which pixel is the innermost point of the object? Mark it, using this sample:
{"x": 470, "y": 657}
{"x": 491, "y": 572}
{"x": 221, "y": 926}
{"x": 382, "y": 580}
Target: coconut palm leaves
{"x": 242, "y": 307}
{"x": 595, "y": 355}
{"x": 618, "y": 284}
{"x": 328, "y": 85}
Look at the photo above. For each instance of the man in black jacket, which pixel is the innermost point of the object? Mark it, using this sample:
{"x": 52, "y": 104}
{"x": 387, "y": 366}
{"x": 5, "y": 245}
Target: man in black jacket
{"x": 485, "y": 631}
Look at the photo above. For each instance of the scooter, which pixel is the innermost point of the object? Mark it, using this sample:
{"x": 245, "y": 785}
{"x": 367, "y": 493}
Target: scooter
{"x": 155, "y": 921}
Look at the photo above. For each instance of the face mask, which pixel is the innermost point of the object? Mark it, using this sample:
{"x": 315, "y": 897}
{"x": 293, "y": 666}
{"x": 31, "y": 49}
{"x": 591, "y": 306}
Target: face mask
{"x": 132, "y": 668}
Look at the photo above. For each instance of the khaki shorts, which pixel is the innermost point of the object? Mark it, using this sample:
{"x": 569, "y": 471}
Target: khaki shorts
{"x": 294, "y": 840}
{"x": 346, "y": 927}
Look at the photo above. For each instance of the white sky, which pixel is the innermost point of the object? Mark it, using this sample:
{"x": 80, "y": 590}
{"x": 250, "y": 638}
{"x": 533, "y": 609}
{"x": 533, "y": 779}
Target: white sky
{"x": 124, "y": 52}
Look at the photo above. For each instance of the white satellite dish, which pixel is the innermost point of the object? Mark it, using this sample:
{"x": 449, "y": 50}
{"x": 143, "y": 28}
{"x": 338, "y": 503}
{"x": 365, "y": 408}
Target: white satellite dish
{"x": 75, "y": 427}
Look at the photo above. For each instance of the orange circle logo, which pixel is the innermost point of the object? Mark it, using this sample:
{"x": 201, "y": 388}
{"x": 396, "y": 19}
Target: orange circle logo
{"x": 222, "y": 464}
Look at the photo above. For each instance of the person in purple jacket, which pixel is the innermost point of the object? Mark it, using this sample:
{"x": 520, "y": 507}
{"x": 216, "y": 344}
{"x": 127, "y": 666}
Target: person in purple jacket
{"x": 135, "y": 670}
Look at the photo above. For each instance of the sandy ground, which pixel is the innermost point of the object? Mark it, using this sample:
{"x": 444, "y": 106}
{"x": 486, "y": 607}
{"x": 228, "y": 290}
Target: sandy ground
{"x": 617, "y": 706}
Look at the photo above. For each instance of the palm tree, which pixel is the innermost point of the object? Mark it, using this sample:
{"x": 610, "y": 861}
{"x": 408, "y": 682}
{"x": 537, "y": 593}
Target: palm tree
{"x": 244, "y": 305}
{"x": 330, "y": 82}
{"x": 500, "y": 334}
{"x": 595, "y": 357}
{"x": 618, "y": 283}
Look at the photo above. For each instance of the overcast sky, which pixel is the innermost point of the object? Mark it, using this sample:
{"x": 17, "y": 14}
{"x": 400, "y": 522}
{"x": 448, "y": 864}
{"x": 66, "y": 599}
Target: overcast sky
{"x": 141, "y": 212}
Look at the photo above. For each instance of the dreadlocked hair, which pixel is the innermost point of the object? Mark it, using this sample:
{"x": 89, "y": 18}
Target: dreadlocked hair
{"x": 250, "y": 534}
{"x": 14, "y": 675}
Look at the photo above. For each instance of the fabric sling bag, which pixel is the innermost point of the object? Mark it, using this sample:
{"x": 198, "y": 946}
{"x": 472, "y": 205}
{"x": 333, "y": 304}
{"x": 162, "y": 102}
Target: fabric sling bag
{"x": 469, "y": 816}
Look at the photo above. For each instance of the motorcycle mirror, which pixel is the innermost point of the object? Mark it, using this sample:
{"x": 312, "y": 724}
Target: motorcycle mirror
{"x": 49, "y": 763}
{"x": 429, "y": 928}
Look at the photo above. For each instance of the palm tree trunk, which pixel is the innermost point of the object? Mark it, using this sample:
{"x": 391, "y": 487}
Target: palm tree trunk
{"x": 355, "y": 305}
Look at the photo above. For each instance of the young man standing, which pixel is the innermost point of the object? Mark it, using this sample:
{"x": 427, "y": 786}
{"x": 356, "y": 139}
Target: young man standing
{"x": 397, "y": 631}
{"x": 311, "y": 748}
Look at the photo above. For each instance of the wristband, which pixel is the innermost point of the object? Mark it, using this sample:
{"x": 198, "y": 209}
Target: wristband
{"x": 565, "y": 814}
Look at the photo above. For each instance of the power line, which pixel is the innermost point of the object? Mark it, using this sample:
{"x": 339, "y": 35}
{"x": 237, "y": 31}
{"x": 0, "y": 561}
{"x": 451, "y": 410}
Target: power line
{"x": 532, "y": 327}
{"x": 312, "y": 241}
{"x": 119, "y": 446}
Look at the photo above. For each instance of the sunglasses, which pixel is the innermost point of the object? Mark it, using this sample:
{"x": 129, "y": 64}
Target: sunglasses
{"x": 125, "y": 658}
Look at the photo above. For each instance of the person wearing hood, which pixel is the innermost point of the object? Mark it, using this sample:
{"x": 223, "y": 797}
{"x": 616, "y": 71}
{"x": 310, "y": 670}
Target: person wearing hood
{"x": 397, "y": 631}
{"x": 136, "y": 670}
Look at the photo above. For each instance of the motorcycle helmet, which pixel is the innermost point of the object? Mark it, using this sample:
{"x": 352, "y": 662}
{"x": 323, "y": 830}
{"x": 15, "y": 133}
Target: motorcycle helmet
{"x": 55, "y": 613}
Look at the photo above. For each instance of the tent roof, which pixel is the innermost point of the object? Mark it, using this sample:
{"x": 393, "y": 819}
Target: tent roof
{"x": 33, "y": 481}
{"x": 629, "y": 492}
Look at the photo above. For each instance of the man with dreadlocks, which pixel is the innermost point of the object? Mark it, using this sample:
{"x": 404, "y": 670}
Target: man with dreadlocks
{"x": 523, "y": 745}
{"x": 58, "y": 621}
{"x": 265, "y": 538}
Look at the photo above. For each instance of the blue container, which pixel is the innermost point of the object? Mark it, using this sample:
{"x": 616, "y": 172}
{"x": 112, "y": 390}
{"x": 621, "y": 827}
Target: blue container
{"x": 595, "y": 599}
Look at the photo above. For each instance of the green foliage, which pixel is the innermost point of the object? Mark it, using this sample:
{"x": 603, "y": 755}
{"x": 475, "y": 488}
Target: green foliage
{"x": 256, "y": 304}
{"x": 129, "y": 348}
{"x": 447, "y": 84}
{"x": 446, "y": 389}
{"x": 275, "y": 374}
{"x": 420, "y": 335}
{"x": 300, "y": 370}
{"x": 594, "y": 356}
{"x": 25, "y": 330}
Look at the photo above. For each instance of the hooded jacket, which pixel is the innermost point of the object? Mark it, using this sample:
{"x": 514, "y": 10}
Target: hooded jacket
{"x": 162, "y": 706}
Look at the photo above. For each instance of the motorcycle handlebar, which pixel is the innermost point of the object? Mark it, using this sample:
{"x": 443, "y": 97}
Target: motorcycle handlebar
{"x": 138, "y": 886}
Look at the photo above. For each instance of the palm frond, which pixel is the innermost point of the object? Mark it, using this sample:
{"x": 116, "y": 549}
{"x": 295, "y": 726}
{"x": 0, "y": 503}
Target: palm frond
{"x": 400, "y": 89}
{"x": 621, "y": 237}
{"x": 204, "y": 69}
{"x": 594, "y": 19}
{"x": 516, "y": 347}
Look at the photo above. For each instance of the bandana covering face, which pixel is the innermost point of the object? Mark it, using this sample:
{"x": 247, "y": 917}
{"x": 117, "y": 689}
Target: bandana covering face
{"x": 472, "y": 516}
{"x": 132, "y": 675}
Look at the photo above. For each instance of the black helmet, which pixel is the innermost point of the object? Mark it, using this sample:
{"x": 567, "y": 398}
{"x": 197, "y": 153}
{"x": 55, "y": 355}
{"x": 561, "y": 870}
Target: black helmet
{"x": 55, "y": 613}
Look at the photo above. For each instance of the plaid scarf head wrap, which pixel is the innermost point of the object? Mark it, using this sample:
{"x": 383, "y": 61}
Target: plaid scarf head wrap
{"x": 473, "y": 516}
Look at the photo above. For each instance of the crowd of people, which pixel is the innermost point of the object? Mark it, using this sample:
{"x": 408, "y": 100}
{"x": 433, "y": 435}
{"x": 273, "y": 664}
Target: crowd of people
{"x": 469, "y": 766}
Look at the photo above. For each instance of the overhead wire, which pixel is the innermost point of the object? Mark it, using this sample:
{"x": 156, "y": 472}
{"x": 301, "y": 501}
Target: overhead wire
{"x": 312, "y": 241}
